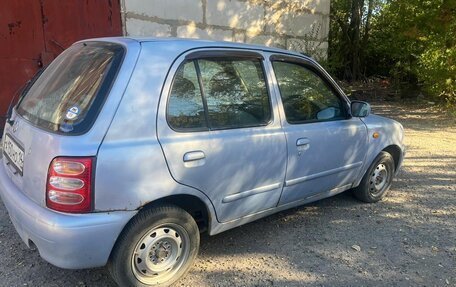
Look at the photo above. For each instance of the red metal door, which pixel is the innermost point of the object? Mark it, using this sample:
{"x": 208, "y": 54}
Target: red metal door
{"x": 34, "y": 32}
{"x": 21, "y": 43}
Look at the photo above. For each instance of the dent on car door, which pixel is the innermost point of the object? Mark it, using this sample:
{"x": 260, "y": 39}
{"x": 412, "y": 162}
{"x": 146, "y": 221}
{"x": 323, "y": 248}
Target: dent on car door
{"x": 326, "y": 146}
{"x": 219, "y": 133}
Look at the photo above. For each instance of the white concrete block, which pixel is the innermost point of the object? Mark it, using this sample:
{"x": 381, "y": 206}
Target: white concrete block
{"x": 135, "y": 27}
{"x": 190, "y": 31}
{"x": 318, "y": 50}
{"x": 235, "y": 14}
{"x": 324, "y": 7}
{"x": 269, "y": 41}
{"x": 325, "y": 27}
{"x": 239, "y": 37}
{"x": 317, "y": 6}
{"x": 303, "y": 45}
{"x": 191, "y": 10}
{"x": 308, "y": 25}
{"x": 321, "y": 55}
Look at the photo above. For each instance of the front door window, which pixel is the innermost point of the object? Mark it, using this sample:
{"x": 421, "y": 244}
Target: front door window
{"x": 305, "y": 96}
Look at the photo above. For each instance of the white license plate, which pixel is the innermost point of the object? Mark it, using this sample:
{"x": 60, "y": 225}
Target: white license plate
{"x": 14, "y": 153}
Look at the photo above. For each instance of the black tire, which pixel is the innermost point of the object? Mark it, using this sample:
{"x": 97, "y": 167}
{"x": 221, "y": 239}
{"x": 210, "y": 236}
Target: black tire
{"x": 155, "y": 239}
{"x": 368, "y": 190}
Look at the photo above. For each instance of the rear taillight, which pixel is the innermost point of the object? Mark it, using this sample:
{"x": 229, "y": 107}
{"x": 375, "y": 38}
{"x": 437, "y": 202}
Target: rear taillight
{"x": 69, "y": 184}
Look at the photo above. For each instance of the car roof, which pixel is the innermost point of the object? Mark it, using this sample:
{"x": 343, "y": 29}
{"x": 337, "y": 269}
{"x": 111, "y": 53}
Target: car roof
{"x": 187, "y": 44}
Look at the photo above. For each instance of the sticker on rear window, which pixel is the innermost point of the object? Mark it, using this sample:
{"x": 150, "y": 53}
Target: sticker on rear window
{"x": 72, "y": 113}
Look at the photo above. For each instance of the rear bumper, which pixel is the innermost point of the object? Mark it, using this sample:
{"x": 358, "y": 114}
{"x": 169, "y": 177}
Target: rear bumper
{"x": 72, "y": 241}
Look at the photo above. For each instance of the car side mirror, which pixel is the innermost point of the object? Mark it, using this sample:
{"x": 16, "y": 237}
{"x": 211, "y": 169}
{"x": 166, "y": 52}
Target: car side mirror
{"x": 326, "y": 114}
{"x": 360, "y": 109}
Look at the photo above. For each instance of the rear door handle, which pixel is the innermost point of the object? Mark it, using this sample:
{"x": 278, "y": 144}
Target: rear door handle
{"x": 302, "y": 142}
{"x": 302, "y": 145}
{"x": 194, "y": 156}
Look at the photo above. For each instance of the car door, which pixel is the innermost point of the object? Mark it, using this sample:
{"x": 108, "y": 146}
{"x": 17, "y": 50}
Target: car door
{"x": 220, "y": 131}
{"x": 326, "y": 146}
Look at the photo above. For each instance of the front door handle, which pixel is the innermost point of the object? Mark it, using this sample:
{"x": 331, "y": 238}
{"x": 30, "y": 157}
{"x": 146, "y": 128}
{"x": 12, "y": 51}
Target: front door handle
{"x": 194, "y": 156}
{"x": 302, "y": 142}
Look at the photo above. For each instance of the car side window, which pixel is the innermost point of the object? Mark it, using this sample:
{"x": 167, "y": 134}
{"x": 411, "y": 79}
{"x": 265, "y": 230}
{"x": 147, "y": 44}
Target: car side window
{"x": 306, "y": 97}
{"x": 219, "y": 93}
{"x": 235, "y": 91}
{"x": 185, "y": 103}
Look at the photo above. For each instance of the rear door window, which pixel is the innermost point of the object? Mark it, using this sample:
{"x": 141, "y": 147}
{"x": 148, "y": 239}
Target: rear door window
{"x": 236, "y": 93}
{"x": 67, "y": 97}
{"x": 219, "y": 93}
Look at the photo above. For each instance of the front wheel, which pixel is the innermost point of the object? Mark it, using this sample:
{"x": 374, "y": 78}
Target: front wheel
{"x": 156, "y": 248}
{"x": 377, "y": 180}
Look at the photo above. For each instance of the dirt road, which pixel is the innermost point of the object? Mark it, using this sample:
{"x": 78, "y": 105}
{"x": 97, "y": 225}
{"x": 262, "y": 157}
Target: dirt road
{"x": 409, "y": 239}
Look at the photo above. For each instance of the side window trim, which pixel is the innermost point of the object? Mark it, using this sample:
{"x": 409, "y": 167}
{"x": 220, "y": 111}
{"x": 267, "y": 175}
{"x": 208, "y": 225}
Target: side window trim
{"x": 316, "y": 70}
{"x": 240, "y": 54}
{"x": 203, "y": 92}
{"x": 219, "y": 54}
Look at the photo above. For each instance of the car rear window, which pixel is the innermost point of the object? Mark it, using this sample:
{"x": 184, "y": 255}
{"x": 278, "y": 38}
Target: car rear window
{"x": 68, "y": 95}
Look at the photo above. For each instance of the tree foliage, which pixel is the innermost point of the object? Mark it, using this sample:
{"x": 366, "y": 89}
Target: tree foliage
{"x": 349, "y": 36}
{"x": 410, "y": 41}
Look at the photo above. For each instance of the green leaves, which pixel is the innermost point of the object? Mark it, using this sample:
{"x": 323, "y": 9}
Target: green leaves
{"x": 411, "y": 41}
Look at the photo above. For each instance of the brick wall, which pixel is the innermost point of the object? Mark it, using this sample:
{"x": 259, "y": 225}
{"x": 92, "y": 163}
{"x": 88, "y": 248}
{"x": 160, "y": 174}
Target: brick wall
{"x": 233, "y": 20}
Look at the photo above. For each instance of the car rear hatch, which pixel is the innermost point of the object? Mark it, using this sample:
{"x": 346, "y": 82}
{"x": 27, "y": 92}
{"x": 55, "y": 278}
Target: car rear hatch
{"x": 66, "y": 111}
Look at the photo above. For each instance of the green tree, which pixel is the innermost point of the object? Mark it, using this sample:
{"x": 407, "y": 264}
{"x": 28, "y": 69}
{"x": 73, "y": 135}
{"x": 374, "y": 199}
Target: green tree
{"x": 412, "y": 41}
{"x": 349, "y": 36}
{"x": 416, "y": 39}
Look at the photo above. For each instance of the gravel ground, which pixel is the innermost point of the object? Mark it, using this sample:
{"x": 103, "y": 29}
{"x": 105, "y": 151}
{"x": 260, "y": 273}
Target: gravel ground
{"x": 409, "y": 239}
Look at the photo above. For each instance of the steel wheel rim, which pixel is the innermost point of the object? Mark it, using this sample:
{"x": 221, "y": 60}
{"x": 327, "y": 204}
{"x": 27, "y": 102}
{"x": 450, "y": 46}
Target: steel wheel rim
{"x": 160, "y": 254}
{"x": 379, "y": 179}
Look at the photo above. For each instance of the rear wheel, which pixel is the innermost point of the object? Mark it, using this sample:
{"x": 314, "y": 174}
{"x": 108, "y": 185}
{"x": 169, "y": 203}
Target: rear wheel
{"x": 377, "y": 180}
{"x": 156, "y": 248}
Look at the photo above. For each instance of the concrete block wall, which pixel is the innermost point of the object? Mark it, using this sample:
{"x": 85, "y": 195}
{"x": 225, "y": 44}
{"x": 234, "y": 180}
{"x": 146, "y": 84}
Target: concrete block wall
{"x": 249, "y": 21}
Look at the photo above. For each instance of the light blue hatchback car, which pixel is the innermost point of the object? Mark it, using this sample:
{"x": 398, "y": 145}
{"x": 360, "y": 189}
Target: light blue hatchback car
{"x": 124, "y": 150}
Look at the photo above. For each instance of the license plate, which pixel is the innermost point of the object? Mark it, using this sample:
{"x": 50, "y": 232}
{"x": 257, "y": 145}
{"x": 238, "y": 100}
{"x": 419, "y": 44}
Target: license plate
{"x": 14, "y": 153}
